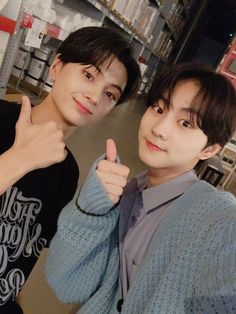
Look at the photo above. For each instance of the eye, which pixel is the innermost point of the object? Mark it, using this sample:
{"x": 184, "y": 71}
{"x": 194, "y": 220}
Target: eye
{"x": 186, "y": 124}
{"x": 111, "y": 95}
{"x": 88, "y": 75}
{"x": 158, "y": 109}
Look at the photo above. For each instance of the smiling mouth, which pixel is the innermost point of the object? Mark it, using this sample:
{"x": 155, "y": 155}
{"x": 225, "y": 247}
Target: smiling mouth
{"x": 81, "y": 108}
{"x": 154, "y": 147}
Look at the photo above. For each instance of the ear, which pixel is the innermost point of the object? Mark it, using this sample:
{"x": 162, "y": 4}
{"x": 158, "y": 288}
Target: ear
{"x": 209, "y": 151}
{"x": 55, "y": 68}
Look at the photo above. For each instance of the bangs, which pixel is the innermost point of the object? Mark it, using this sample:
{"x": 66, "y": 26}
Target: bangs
{"x": 198, "y": 107}
{"x": 91, "y": 55}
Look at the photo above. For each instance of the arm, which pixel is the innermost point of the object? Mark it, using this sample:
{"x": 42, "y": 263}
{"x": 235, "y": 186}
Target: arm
{"x": 83, "y": 258}
{"x": 83, "y": 245}
{"x": 36, "y": 146}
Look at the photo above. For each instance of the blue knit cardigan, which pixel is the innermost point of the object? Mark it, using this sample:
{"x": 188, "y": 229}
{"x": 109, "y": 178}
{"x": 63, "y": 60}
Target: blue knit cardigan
{"x": 190, "y": 265}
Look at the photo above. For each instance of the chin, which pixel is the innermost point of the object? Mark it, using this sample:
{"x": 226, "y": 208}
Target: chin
{"x": 147, "y": 161}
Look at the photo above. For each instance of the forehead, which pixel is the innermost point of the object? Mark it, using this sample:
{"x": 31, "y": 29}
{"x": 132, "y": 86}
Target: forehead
{"x": 183, "y": 94}
{"x": 114, "y": 70}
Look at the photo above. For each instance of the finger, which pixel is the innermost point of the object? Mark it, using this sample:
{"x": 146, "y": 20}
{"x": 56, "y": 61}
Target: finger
{"x": 111, "y": 152}
{"x": 114, "y": 199}
{"x": 25, "y": 112}
{"x": 110, "y": 178}
{"x": 118, "y": 169}
{"x": 65, "y": 154}
{"x": 114, "y": 189}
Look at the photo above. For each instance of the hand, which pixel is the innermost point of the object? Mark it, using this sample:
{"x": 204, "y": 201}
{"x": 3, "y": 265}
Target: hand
{"x": 112, "y": 175}
{"x": 37, "y": 145}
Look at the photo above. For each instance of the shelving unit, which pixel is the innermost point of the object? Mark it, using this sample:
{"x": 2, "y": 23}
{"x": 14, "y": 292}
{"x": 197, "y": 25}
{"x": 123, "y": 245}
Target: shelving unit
{"x": 10, "y": 18}
{"x": 227, "y": 67}
{"x": 228, "y": 160}
{"x": 152, "y": 27}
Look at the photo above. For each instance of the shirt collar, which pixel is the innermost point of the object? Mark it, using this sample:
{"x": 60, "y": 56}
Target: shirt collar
{"x": 161, "y": 194}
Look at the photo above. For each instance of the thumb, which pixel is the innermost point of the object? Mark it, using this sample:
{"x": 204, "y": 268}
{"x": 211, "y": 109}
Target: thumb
{"x": 111, "y": 152}
{"x": 25, "y": 112}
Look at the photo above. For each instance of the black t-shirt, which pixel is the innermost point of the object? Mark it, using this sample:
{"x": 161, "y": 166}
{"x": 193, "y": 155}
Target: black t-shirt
{"x": 28, "y": 213}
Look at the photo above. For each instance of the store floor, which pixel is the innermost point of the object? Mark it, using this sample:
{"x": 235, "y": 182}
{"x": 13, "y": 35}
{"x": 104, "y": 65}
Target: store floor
{"x": 87, "y": 144}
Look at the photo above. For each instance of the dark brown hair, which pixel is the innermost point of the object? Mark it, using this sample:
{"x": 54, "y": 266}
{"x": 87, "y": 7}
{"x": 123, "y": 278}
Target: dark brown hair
{"x": 95, "y": 45}
{"x": 214, "y": 104}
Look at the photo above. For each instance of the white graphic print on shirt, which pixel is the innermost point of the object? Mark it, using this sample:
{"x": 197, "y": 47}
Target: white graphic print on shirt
{"x": 19, "y": 236}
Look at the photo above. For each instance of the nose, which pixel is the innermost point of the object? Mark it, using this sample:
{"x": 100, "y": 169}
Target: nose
{"x": 93, "y": 94}
{"x": 163, "y": 126}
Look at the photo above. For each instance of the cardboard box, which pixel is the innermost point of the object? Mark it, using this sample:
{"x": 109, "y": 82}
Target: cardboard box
{"x": 13, "y": 97}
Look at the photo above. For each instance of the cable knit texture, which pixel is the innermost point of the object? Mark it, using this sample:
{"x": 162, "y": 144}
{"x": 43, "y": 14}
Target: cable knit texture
{"x": 190, "y": 266}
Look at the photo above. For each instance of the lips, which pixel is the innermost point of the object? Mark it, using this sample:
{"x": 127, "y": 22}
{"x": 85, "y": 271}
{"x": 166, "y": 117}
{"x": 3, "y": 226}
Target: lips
{"x": 153, "y": 146}
{"x": 82, "y": 108}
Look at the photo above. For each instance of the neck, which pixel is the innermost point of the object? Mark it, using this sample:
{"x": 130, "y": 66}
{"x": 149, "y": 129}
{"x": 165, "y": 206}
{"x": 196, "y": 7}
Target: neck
{"x": 48, "y": 111}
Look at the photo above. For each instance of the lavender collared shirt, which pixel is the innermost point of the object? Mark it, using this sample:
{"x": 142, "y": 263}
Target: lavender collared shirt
{"x": 141, "y": 212}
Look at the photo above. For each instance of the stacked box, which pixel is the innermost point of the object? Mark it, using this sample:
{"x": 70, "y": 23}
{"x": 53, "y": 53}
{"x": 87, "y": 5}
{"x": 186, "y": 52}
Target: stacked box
{"x": 148, "y": 21}
{"x": 109, "y": 2}
{"x": 131, "y": 10}
{"x": 167, "y": 49}
{"x": 175, "y": 17}
{"x": 151, "y": 22}
{"x": 139, "y": 13}
{"x": 119, "y": 6}
{"x": 160, "y": 3}
{"x": 161, "y": 37}
{"x": 163, "y": 44}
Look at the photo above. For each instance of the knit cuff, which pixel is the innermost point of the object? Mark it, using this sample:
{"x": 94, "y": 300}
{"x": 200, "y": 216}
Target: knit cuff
{"x": 93, "y": 198}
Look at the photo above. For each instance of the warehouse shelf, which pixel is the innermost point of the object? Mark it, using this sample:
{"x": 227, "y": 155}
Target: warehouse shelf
{"x": 153, "y": 51}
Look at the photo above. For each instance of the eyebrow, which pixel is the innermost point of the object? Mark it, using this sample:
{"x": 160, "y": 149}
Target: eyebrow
{"x": 190, "y": 110}
{"x": 117, "y": 87}
{"x": 101, "y": 73}
{"x": 194, "y": 114}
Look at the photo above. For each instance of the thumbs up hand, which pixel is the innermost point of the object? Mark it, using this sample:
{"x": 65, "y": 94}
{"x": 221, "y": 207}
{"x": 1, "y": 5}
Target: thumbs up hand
{"x": 37, "y": 145}
{"x": 112, "y": 175}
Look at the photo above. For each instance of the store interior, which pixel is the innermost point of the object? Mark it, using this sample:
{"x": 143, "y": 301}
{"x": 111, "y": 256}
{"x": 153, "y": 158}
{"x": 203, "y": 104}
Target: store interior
{"x": 170, "y": 32}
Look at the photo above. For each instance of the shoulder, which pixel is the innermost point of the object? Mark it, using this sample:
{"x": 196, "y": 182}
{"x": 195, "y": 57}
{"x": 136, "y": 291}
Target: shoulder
{"x": 215, "y": 199}
{"x": 209, "y": 205}
{"x": 9, "y": 108}
{"x": 9, "y": 113}
{"x": 203, "y": 193}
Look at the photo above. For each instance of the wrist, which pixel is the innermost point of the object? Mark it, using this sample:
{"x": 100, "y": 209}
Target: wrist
{"x": 17, "y": 161}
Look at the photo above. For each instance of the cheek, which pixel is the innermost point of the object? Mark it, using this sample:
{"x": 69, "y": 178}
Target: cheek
{"x": 192, "y": 145}
{"x": 103, "y": 111}
{"x": 60, "y": 87}
{"x": 145, "y": 121}
{"x": 140, "y": 131}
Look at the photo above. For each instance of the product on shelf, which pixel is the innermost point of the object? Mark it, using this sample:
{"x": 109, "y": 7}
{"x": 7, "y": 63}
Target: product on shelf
{"x": 119, "y": 6}
{"x": 143, "y": 22}
{"x": 42, "y": 9}
{"x": 38, "y": 65}
{"x": 46, "y": 84}
{"x": 2, "y": 4}
{"x": 22, "y": 61}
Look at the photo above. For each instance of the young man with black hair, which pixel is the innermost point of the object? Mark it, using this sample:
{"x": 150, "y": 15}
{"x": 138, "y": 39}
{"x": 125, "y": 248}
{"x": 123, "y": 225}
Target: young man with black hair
{"x": 93, "y": 71}
{"x": 168, "y": 245}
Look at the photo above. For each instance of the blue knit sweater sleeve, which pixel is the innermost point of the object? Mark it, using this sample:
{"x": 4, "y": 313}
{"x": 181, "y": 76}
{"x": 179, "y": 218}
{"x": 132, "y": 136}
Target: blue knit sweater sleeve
{"x": 83, "y": 257}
